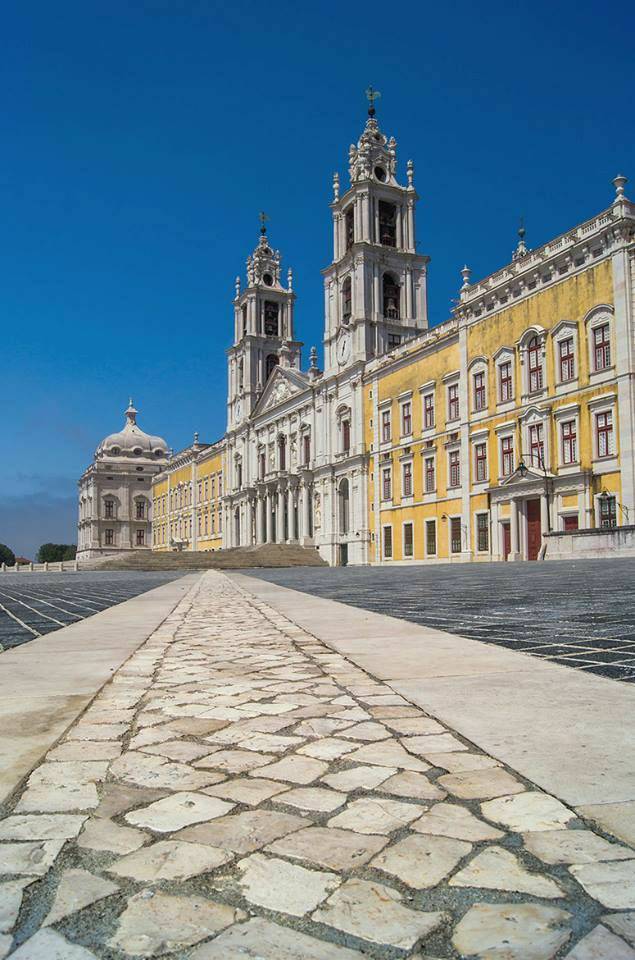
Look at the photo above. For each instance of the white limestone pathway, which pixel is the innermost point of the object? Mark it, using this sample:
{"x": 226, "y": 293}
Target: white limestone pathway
{"x": 240, "y": 790}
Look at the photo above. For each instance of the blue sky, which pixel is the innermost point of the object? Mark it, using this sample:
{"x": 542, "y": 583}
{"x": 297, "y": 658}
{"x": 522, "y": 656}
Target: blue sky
{"x": 140, "y": 140}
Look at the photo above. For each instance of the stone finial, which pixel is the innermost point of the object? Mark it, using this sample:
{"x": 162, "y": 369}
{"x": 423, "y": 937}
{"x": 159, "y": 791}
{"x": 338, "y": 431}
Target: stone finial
{"x": 410, "y": 173}
{"x": 237, "y": 286}
{"x": 285, "y": 354}
{"x": 131, "y": 413}
{"x": 521, "y": 249}
{"x": 466, "y": 273}
{"x": 336, "y": 186}
{"x": 290, "y": 279}
{"x": 619, "y": 183}
{"x": 196, "y": 438}
{"x": 313, "y": 357}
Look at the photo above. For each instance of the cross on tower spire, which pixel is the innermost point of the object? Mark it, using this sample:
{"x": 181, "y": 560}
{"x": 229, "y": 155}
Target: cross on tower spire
{"x": 263, "y": 222}
{"x": 372, "y": 95}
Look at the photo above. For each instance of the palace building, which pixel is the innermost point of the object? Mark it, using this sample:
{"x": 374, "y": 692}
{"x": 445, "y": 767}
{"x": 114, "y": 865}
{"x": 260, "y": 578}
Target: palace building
{"x": 475, "y": 439}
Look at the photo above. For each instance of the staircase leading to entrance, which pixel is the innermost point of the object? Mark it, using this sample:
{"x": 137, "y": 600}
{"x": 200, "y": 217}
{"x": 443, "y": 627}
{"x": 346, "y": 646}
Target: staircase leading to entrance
{"x": 236, "y": 558}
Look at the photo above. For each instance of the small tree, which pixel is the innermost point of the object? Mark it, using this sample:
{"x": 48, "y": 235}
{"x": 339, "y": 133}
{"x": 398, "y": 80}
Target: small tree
{"x": 53, "y": 552}
{"x": 6, "y": 555}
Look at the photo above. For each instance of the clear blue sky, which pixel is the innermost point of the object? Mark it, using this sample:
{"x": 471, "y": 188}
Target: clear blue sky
{"x": 141, "y": 139}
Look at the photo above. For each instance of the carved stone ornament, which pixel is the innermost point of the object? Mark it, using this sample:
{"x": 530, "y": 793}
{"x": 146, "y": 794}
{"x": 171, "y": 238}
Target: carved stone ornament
{"x": 279, "y": 392}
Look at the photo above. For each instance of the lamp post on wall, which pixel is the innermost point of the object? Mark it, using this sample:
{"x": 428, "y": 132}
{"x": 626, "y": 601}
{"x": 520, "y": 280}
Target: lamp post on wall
{"x": 523, "y": 471}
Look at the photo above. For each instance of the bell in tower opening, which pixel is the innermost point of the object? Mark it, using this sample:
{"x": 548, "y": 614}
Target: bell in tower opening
{"x": 271, "y": 319}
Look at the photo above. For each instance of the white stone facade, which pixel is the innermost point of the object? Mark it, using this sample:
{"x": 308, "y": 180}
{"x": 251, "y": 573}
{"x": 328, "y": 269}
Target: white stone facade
{"x": 296, "y": 469}
{"x": 115, "y": 498}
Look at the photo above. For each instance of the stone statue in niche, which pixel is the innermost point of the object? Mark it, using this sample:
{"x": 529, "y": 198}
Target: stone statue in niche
{"x": 293, "y": 451}
{"x": 317, "y": 512}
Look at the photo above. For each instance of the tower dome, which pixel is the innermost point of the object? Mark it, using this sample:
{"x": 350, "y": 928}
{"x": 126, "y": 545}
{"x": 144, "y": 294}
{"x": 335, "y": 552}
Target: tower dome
{"x": 132, "y": 441}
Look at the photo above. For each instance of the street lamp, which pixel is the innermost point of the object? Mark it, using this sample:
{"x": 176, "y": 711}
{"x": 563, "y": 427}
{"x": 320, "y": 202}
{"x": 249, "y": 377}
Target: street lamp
{"x": 523, "y": 470}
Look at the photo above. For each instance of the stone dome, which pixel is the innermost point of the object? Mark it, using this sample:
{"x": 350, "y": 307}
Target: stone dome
{"x": 132, "y": 441}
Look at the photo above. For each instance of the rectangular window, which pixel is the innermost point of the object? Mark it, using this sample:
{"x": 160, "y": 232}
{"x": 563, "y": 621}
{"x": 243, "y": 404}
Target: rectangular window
{"x": 220, "y": 485}
{"x": 394, "y": 340}
{"x": 428, "y": 411}
{"x": 200, "y": 490}
{"x": 429, "y": 475}
{"x": 406, "y": 480}
{"x": 505, "y": 386}
{"x": 385, "y": 426}
{"x": 206, "y": 488}
{"x": 482, "y": 532}
{"x": 387, "y": 543}
{"x": 206, "y": 524}
{"x": 567, "y": 360}
{"x": 386, "y": 483}
{"x": 534, "y": 355}
{"x": 453, "y": 402}
{"x": 141, "y": 538}
{"x": 141, "y": 510}
{"x": 306, "y": 442}
{"x": 455, "y": 469}
{"x": 109, "y": 509}
{"x": 569, "y": 442}
{"x": 480, "y": 462}
{"x": 507, "y": 456}
{"x": 262, "y": 464}
{"x": 479, "y": 391}
{"x": 604, "y": 433}
{"x": 602, "y": 347}
{"x": 406, "y": 419}
{"x": 346, "y": 436}
{"x": 220, "y": 521}
{"x": 109, "y": 537}
{"x": 200, "y": 524}
{"x": 536, "y": 445}
{"x": 213, "y": 487}
{"x": 431, "y": 538}
{"x": 212, "y": 518}
{"x": 408, "y": 538}
{"x": 608, "y": 513}
{"x": 455, "y": 535}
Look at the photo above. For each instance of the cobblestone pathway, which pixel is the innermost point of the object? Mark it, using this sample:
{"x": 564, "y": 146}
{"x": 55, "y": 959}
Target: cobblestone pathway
{"x": 239, "y": 790}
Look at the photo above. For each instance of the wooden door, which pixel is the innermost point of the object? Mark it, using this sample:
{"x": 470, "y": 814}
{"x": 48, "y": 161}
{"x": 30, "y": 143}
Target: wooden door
{"x": 507, "y": 540}
{"x": 534, "y": 537}
{"x": 571, "y": 523}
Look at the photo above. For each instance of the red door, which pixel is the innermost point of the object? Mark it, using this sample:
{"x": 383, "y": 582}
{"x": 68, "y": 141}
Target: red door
{"x": 507, "y": 540}
{"x": 534, "y": 538}
{"x": 571, "y": 523}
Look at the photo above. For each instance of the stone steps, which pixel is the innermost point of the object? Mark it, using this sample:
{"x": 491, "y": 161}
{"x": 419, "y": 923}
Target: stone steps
{"x": 236, "y": 558}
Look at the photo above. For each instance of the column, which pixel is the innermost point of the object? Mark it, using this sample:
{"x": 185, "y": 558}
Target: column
{"x": 409, "y": 311}
{"x": 544, "y": 513}
{"x": 513, "y": 529}
{"x": 280, "y": 515}
{"x": 259, "y": 520}
{"x": 268, "y": 505}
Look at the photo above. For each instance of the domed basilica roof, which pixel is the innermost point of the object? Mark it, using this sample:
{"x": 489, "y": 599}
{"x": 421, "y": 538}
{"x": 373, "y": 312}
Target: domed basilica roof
{"x": 132, "y": 441}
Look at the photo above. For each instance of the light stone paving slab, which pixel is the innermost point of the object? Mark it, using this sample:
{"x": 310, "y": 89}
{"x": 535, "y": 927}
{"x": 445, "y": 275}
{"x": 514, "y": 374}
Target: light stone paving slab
{"x": 511, "y": 932}
{"x": 601, "y": 944}
{"x": 46, "y": 798}
{"x": 169, "y": 860}
{"x": 11, "y": 894}
{"x": 415, "y": 726}
{"x": 86, "y": 750}
{"x": 31, "y": 826}
{"x": 461, "y": 762}
{"x": 375, "y": 815}
{"x": 451, "y": 820}
{"x": 613, "y": 884}
{"x": 615, "y": 818}
{"x": 117, "y": 798}
{"x": 147, "y": 771}
{"x": 329, "y": 847}
{"x": 244, "y": 832}
{"x": 422, "y": 862}
{"x": 374, "y": 912}
{"x": 104, "y": 835}
{"x": 259, "y": 939}
{"x": 388, "y": 753}
{"x": 528, "y": 811}
{"x": 33, "y": 858}
{"x": 621, "y": 923}
{"x": 177, "y": 811}
{"x": 359, "y": 777}
{"x": 234, "y": 761}
{"x": 77, "y": 889}
{"x": 177, "y": 750}
{"x": 320, "y": 727}
{"x": 313, "y": 798}
{"x": 247, "y": 791}
{"x": 161, "y": 923}
{"x": 481, "y": 784}
{"x": 498, "y": 869}
{"x": 295, "y": 769}
{"x": 369, "y": 731}
{"x": 329, "y": 748}
{"x": 442, "y": 743}
{"x": 410, "y": 784}
{"x": 573, "y": 846}
{"x": 282, "y": 886}
{"x": 50, "y": 945}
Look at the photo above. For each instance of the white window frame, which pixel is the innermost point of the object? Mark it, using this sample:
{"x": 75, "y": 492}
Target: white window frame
{"x": 407, "y": 523}
{"x": 523, "y": 343}
{"x": 482, "y": 513}
{"x": 426, "y": 521}
{"x": 505, "y": 355}
{"x": 476, "y": 441}
{"x": 478, "y": 366}
{"x": 428, "y": 390}
{"x": 535, "y": 417}
{"x": 565, "y": 330}
{"x": 454, "y": 448}
{"x": 405, "y": 463}
{"x": 429, "y": 455}
{"x": 387, "y": 526}
{"x": 598, "y": 317}
{"x": 385, "y": 407}
{"x": 403, "y": 400}
{"x": 506, "y": 435}
{"x": 386, "y": 467}
{"x": 604, "y": 404}
{"x": 562, "y": 415}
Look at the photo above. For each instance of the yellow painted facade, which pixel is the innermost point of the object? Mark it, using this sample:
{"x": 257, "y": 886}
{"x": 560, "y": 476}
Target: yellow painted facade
{"x": 187, "y": 501}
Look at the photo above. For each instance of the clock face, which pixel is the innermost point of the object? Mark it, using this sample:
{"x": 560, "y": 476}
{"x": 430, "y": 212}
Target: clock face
{"x": 343, "y": 348}
{"x": 239, "y": 410}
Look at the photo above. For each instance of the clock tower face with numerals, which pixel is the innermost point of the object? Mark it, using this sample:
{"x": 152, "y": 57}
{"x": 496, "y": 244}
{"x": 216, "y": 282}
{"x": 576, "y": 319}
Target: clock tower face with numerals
{"x": 343, "y": 348}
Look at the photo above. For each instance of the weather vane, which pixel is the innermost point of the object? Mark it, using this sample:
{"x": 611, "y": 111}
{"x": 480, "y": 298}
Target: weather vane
{"x": 263, "y": 221}
{"x": 372, "y": 95}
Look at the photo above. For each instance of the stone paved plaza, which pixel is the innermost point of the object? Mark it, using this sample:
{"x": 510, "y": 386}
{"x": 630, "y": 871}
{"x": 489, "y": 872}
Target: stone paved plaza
{"x": 240, "y": 790}
{"x": 579, "y": 614}
{"x": 32, "y": 604}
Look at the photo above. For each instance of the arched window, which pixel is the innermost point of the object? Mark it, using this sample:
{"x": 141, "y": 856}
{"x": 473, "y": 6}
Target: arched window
{"x": 343, "y": 499}
{"x": 391, "y": 297}
{"x": 241, "y": 374}
{"x": 534, "y": 358}
{"x": 270, "y": 365}
{"x": 244, "y": 318}
{"x": 387, "y": 224}
{"x": 282, "y": 453}
{"x": 350, "y": 227}
{"x": 347, "y": 300}
{"x": 271, "y": 318}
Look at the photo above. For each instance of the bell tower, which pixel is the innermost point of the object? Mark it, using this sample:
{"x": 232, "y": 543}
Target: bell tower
{"x": 263, "y": 330}
{"x": 375, "y": 287}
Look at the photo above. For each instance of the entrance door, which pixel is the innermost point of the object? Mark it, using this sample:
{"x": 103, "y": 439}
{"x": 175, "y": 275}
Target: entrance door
{"x": 507, "y": 539}
{"x": 343, "y": 554}
{"x": 571, "y": 523}
{"x": 534, "y": 537}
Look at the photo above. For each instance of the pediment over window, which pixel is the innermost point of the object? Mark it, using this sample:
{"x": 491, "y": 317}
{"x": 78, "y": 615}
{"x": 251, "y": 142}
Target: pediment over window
{"x": 526, "y": 475}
